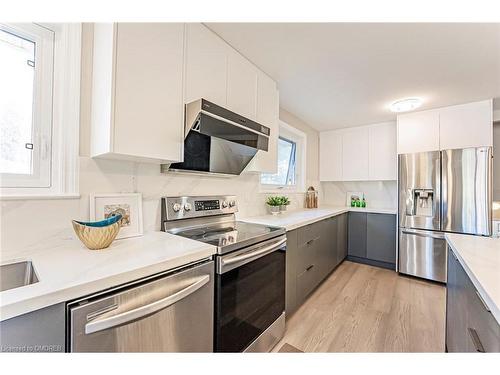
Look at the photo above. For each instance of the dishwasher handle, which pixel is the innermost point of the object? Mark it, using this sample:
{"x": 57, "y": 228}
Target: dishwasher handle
{"x": 137, "y": 313}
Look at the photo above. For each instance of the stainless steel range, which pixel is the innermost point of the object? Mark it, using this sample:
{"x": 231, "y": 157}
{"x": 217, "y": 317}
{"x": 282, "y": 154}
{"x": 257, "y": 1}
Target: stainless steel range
{"x": 250, "y": 270}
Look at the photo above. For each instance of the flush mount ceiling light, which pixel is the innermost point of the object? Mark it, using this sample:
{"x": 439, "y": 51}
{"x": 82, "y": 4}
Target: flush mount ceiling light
{"x": 405, "y": 105}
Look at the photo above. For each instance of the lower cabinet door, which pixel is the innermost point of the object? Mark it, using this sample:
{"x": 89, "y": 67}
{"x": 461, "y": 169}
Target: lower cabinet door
{"x": 341, "y": 238}
{"x": 457, "y": 340}
{"x": 327, "y": 249}
{"x": 306, "y": 282}
{"x": 470, "y": 326}
{"x": 482, "y": 328}
{"x": 453, "y": 320}
{"x": 357, "y": 234}
{"x": 381, "y": 237}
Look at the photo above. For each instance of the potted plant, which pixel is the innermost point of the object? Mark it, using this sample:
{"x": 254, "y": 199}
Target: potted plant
{"x": 284, "y": 202}
{"x": 274, "y": 204}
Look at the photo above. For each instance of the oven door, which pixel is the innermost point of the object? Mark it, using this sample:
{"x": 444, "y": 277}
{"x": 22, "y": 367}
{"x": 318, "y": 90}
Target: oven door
{"x": 250, "y": 297}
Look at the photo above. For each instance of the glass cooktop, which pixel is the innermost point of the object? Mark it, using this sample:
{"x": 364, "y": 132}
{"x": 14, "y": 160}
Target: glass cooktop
{"x": 230, "y": 236}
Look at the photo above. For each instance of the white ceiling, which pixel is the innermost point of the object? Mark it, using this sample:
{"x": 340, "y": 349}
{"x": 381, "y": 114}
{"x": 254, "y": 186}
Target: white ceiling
{"x": 335, "y": 75}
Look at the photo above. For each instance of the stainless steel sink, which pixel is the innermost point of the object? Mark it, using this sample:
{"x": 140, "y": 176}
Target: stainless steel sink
{"x": 15, "y": 275}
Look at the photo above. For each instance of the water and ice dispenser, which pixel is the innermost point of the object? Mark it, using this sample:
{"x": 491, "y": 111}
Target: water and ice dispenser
{"x": 420, "y": 202}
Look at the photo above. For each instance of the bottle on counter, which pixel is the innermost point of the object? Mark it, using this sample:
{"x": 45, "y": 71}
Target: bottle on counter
{"x": 363, "y": 202}
{"x": 311, "y": 198}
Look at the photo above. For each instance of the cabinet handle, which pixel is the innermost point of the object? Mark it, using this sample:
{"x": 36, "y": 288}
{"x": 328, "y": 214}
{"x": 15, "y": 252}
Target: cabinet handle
{"x": 482, "y": 301}
{"x": 475, "y": 340}
{"x": 454, "y": 256}
{"x": 310, "y": 241}
{"x": 311, "y": 266}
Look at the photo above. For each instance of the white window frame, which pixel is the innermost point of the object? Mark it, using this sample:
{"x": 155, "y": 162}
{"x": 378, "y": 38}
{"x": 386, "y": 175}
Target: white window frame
{"x": 60, "y": 140}
{"x": 300, "y": 138}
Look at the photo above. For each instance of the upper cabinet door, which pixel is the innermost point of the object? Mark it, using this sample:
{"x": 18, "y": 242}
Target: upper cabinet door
{"x": 206, "y": 65}
{"x": 268, "y": 115}
{"x": 467, "y": 125}
{"x": 241, "y": 85}
{"x": 148, "y": 103}
{"x": 330, "y": 156}
{"x": 355, "y": 154}
{"x": 418, "y": 132}
{"x": 382, "y": 152}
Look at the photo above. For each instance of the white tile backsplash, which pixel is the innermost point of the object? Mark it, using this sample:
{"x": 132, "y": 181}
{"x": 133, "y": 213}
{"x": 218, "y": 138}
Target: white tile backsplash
{"x": 25, "y": 222}
{"x": 378, "y": 194}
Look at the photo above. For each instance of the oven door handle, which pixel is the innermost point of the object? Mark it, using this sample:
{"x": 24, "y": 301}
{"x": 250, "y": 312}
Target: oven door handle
{"x": 252, "y": 254}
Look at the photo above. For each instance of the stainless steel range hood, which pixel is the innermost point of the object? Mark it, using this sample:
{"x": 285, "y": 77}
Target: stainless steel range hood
{"x": 218, "y": 141}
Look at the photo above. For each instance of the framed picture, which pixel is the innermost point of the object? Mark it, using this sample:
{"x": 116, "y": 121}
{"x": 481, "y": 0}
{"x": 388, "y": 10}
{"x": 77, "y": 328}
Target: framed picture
{"x": 103, "y": 206}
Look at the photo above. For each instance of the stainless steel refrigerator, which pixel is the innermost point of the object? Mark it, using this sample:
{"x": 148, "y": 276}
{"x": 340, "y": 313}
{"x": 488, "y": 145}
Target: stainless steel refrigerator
{"x": 441, "y": 191}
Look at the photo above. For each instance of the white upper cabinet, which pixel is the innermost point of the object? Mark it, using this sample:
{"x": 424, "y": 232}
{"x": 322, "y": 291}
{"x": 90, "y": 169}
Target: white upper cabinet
{"x": 382, "y": 156}
{"x": 418, "y": 132}
{"x": 364, "y": 153}
{"x": 206, "y": 65}
{"x": 241, "y": 86}
{"x": 137, "y": 101}
{"x": 355, "y": 154}
{"x": 268, "y": 115}
{"x": 330, "y": 156}
{"x": 145, "y": 73}
{"x": 467, "y": 125}
{"x": 217, "y": 72}
{"x": 459, "y": 126}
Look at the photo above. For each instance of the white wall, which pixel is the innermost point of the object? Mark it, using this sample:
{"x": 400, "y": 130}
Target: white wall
{"x": 26, "y": 222}
{"x": 378, "y": 194}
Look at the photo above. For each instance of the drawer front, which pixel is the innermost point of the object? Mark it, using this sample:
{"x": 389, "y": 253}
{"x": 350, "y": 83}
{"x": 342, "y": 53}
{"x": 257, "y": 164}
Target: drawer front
{"x": 307, "y": 255}
{"x": 308, "y": 233}
{"x": 487, "y": 330}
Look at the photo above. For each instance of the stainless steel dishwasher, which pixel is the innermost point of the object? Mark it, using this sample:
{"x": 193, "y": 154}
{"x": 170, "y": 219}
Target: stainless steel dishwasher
{"x": 171, "y": 312}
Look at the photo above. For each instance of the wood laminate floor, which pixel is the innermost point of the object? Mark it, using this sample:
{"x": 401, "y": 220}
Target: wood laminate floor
{"x": 360, "y": 308}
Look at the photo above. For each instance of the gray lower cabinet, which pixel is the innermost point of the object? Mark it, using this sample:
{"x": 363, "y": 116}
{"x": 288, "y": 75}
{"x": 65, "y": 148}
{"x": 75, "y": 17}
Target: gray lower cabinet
{"x": 372, "y": 238}
{"x": 357, "y": 234}
{"x": 42, "y": 330}
{"x": 470, "y": 326}
{"x": 381, "y": 237}
{"x": 341, "y": 250}
{"x": 313, "y": 251}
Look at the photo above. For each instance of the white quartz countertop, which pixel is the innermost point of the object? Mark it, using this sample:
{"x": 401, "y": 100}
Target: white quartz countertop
{"x": 67, "y": 270}
{"x": 295, "y": 219}
{"x": 480, "y": 258}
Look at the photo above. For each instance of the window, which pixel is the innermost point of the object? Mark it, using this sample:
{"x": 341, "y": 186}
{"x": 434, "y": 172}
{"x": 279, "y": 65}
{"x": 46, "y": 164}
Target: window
{"x": 287, "y": 151}
{"x": 26, "y": 69}
{"x": 39, "y": 108}
{"x": 290, "y": 161}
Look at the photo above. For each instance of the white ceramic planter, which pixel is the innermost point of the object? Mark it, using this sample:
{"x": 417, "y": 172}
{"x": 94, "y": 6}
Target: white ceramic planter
{"x": 274, "y": 210}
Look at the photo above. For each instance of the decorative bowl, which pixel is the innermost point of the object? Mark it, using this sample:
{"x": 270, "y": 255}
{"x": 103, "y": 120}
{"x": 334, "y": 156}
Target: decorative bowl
{"x": 98, "y": 235}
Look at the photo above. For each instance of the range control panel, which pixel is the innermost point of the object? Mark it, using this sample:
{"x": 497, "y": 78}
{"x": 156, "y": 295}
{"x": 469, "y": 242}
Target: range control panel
{"x": 207, "y": 205}
{"x": 176, "y": 208}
